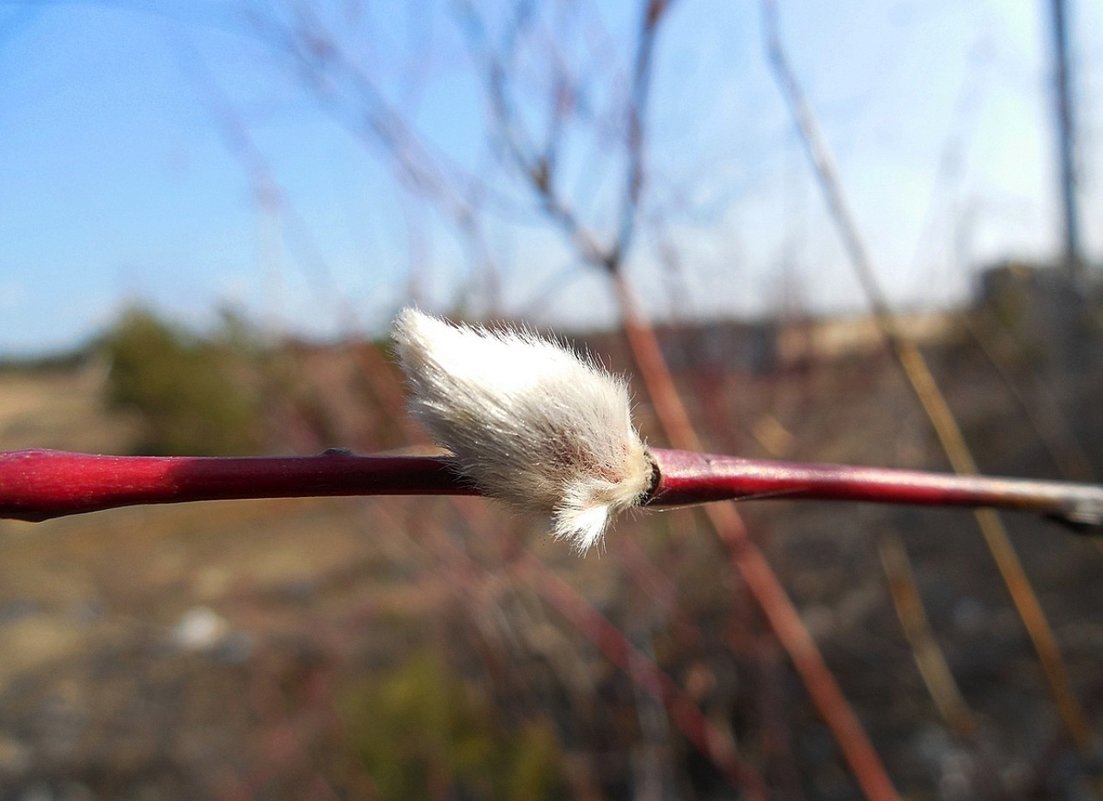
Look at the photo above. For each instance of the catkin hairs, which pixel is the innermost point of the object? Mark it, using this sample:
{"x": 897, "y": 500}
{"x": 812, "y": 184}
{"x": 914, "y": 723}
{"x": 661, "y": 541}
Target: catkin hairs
{"x": 530, "y": 421}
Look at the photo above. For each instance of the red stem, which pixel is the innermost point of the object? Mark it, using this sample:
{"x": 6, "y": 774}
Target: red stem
{"x": 41, "y": 484}
{"x": 688, "y": 478}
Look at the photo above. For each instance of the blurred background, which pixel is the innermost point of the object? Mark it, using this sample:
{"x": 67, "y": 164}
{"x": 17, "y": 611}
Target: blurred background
{"x": 839, "y": 232}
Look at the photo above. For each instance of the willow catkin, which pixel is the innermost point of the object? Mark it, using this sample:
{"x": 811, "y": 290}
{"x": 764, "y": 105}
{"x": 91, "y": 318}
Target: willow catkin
{"x": 530, "y": 421}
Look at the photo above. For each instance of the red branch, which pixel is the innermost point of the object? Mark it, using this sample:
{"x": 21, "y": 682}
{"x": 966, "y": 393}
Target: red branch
{"x": 41, "y": 484}
{"x": 698, "y": 478}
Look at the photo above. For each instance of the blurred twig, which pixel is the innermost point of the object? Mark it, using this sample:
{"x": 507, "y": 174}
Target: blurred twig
{"x": 1049, "y": 423}
{"x": 675, "y": 421}
{"x": 926, "y": 389}
{"x": 763, "y": 583}
{"x": 917, "y": 628}
{"x": 719, "y": 747}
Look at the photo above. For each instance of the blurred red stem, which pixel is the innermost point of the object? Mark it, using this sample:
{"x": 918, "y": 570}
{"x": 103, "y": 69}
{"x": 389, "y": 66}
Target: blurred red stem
{"x": 41, "y": 484}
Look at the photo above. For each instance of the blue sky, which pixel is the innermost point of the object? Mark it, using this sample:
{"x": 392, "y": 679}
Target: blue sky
{"x": 173, "y": 153}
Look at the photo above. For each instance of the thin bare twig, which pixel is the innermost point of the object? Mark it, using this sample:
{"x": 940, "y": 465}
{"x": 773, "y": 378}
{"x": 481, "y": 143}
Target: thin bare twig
{"x": 917, "y": 628}
{"x": 751, "y": 564}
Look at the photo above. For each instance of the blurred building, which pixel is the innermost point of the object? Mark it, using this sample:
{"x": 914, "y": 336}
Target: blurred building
{"x": 1044, "y": 310}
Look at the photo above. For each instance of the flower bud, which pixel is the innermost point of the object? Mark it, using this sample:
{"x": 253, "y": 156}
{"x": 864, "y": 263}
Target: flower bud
{"x": 530, "y": 421}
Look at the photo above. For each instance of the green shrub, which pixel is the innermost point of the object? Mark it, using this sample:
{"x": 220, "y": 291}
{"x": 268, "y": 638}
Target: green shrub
{"x": 190, "y": 393}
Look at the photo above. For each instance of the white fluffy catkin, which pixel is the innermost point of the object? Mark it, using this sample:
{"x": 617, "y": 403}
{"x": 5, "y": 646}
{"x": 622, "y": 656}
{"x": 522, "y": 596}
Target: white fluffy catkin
{"x": 531, "y": 422}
